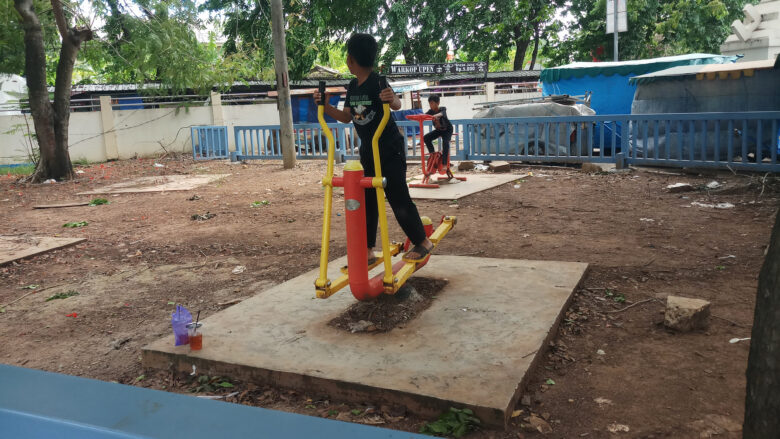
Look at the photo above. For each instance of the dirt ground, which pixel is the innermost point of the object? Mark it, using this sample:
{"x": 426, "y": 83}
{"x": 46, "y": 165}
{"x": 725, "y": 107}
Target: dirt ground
{"x": 613, "y": 368}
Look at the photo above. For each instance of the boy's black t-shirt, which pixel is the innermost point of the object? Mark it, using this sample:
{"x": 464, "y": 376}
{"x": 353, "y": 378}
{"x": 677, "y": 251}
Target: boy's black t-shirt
{"x": 366, "y": 108}
{"x": 446, "y": 125}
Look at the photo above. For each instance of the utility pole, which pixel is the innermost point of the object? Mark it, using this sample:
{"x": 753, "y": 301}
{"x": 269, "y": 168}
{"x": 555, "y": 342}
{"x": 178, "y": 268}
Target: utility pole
{"x": 615, "y": 2}
{"x": 283, "y": 102}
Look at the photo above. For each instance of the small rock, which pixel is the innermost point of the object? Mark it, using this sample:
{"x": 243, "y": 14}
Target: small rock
{"x": 526, "y": 400}
{"x": 684, "y": 314}
{"x": 602, "y": 401}
{"x": 590, "y": 168}
{"x": 239, "y": 269}
{"x": 679, "y": 187}
{"x": 117, "y": 344}
{"x": 540, "y": 424}
{"x": 713, "y": 185}
{"x": 500, "y": 166}
{"x": 360, "y": 326}
{"x": 465, "y": 165}
{"x": 600, "y": 352}
{"x": 617, "y": 428}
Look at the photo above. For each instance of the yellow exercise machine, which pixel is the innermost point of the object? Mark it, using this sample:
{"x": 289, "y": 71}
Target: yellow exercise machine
{"x": 356, "y": 273}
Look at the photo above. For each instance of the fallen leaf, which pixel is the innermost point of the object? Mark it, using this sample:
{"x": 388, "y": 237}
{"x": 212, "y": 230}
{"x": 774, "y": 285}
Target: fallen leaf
{"x": 617, "y": 428}
{"x": 517, "y": 413}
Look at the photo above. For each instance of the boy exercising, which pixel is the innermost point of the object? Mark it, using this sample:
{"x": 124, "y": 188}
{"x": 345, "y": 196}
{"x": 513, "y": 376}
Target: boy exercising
{"x": 363, "y": 107}
{"x": 442, "y": 128}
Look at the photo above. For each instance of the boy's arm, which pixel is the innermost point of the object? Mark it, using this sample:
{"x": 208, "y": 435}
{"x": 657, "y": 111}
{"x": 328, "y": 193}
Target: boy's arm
{"x": 343, "y": 116}
{"x": 389, "y": 96}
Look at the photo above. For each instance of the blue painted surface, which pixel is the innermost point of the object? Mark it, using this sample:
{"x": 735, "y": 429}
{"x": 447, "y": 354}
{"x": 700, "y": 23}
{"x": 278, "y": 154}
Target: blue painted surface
{"x": 209, "y": 142}
{"x": 44, "y": 405}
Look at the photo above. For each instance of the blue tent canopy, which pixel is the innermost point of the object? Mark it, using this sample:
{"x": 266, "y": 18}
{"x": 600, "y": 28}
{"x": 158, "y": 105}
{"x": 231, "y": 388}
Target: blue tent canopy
{"x": 608, "y": 81}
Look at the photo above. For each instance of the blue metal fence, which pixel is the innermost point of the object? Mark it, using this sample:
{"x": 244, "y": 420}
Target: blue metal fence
{"x": 746, "y": 140}
{"x": 209, "y": 142}
{"x": 263, "y": 142}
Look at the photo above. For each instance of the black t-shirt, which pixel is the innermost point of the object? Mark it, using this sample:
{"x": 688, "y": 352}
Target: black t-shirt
{"x": 366, "y": 108}
{"x": 446, "y": 125}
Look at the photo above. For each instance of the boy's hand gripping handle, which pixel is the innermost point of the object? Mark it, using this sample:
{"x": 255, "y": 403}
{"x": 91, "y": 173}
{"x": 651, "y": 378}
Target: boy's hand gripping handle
{"x": 322, "y": 93}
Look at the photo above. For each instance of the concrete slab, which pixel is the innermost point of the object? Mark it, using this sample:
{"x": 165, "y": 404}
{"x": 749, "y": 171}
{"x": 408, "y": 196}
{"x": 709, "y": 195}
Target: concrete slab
{"x": 456, "y": 189}
{"x": 472, "y": 348}
{"x": 13, "y": 248}
{"x": 162, "y": 183}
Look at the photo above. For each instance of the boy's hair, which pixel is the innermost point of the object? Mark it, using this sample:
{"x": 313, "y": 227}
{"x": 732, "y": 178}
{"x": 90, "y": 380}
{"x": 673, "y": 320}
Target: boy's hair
{"x": 362, "y": 48}
{"x": 434, "y": 98}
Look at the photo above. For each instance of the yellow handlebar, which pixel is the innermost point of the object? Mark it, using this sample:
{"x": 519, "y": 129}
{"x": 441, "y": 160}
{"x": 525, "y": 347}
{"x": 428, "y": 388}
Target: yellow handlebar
{"x": 380, "y": 198}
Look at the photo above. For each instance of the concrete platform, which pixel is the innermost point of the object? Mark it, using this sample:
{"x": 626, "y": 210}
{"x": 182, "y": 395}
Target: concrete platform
{"x": 13, "y": 248}
{"x": 162, "y": 183}
{"x": 472, "y": 348}
{"x": 453, "y": 191}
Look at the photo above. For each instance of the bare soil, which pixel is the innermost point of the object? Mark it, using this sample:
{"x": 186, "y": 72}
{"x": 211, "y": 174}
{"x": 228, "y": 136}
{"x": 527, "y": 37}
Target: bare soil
{"x": 388, "y": 312}
{"x": 613, "y": 366}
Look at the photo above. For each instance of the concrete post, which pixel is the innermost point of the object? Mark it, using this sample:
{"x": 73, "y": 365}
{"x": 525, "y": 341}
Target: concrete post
{"x": 216, "y": 109}
{"x": 110, "y": 145}
{"x": 406, "y": 101}
{"x": 490, "y": 91}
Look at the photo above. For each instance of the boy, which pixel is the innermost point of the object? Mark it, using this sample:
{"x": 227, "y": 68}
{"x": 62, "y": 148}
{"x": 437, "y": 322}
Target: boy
{"x": 363, "y": 106}
{"x": 442, "y": 128}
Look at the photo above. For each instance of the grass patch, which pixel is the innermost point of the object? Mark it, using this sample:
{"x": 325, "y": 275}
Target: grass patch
{"x": 62, "y": 295}
{"x": 26, "y": 169}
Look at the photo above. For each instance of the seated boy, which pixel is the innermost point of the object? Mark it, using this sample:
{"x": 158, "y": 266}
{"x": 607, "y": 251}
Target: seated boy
{"x": 442, "y": 128}
{"x": 363, "y": 106}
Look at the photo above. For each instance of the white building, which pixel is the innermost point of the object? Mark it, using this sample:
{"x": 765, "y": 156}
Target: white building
{"x": 757, "y": 37}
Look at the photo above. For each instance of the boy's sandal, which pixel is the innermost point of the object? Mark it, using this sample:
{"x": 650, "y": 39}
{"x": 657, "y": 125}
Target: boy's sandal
{"x": 420, "y": 250}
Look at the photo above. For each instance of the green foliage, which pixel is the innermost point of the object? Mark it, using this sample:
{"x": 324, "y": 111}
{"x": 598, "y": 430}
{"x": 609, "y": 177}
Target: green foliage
{"x": 454, "y": 422}
{"x": 98, "y": 202}
{"x": 74, "y": 225}
{"x": 204, "y": 383}
{"x": 656, "y": 28}
{"x": 62, "y": 295}
{"x": 260, "y": 203}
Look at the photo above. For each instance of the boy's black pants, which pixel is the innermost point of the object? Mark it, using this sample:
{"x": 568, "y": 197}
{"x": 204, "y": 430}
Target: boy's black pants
{"x": 397, "y": 193}
{"x": 445, "y": 148}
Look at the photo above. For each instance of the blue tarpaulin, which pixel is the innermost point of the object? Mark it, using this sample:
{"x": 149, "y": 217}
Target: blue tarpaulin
{"x": 608, "y": 81}
{"x": 305, "y": 110}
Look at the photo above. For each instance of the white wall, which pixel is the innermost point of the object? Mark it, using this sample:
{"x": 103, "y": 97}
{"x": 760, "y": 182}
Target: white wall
{"x": 151, "y": 132}
{"x": 462, "y": 107}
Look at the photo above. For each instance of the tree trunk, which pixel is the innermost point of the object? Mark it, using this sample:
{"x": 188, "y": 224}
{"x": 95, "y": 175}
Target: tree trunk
{"x": 51, "y": 121}
{"x": 282, "y": 84}
{"x": 35, "y": 74}
{"x": 536, "y": 47}
{"x": 762, "y": 403}
{"x": 522, "y": 47}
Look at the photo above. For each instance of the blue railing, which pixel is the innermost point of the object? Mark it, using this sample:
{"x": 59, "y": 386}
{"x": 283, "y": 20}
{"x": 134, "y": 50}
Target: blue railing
{"x": 263, "y": 142}
{"x": 209, "y": 142}
{"x": 747, "y": 140}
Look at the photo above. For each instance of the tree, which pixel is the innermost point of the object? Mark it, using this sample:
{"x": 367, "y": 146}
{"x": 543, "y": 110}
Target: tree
{"x": 311, "y": 27}
{"x": 50, "y": 119}
{"x": 415, "y": 29}
{"x": 495, "y": 29}
{"x": 656, "y": 28}
{"x": 762, "y": 403}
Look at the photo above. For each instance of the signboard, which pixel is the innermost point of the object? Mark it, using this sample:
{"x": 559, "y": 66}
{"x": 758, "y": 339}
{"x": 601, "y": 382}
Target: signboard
{"x": 438, "y": 69}
{"x": 622, "y": 17}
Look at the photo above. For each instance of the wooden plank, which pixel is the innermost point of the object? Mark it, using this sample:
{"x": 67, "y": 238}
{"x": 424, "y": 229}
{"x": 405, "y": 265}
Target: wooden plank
{"x": 57, "y": 206}
{"x": 14, "y": 248}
